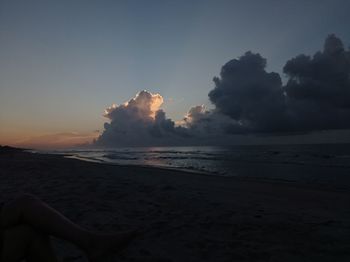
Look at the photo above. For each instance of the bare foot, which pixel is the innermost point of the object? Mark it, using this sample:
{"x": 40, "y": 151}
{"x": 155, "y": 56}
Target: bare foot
{"x": 104, "y": 245}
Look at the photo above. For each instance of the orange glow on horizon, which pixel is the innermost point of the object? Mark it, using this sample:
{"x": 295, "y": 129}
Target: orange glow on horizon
{"x": 49, "y": 141}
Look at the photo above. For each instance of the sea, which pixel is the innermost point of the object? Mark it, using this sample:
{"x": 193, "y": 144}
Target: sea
{"x": 324, "y": 164}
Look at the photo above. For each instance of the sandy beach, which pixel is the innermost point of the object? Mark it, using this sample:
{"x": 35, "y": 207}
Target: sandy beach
{"x": 186, "y": 216}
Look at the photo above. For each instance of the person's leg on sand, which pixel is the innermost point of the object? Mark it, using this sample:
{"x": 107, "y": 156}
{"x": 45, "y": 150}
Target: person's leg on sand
{"x": 29, "y": 210}
{"x": 24, "y": 242}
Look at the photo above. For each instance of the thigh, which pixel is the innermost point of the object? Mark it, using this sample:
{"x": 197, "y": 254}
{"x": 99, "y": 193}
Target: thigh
{"x": 24, "y": 242}
{"x": 1, "y": 243}
{"x": 1, "y": 233}
{"x": 40, "y": 249}
{"x": 15, "y": 243}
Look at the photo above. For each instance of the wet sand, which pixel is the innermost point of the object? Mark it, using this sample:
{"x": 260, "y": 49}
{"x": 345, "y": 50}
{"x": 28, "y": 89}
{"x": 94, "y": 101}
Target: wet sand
{"x": 185, "y": 216}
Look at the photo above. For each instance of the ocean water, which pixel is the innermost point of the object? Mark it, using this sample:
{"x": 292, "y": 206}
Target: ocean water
{"x": 327, "y": 164}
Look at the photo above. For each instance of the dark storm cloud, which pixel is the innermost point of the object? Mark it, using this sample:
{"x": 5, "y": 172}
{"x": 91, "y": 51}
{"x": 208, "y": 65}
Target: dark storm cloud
{"x": 250, "y": 95}
{"x": 318, "y": 89}
{"x": 316, "y": 96}
{"x": 247, "y": 100}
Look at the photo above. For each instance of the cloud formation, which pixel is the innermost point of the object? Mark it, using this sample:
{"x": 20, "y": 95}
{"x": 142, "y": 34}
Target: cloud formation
{"x": 247, "y": 100}
{"x": 316, "y": 96}
{"x": 201, "y": 122}
{"x": 318, "y": 89}
{"x": 139, "y": 122}
{"x": 250, "y": 95}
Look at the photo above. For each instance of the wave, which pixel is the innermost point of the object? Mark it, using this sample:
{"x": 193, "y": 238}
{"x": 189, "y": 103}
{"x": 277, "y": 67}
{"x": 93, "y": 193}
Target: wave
{"x": 307, "y": 163}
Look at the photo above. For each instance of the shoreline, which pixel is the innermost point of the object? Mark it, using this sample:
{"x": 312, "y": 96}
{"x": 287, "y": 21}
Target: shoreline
{"x": 183, "y": 171}
{"x": 186, "y": 216}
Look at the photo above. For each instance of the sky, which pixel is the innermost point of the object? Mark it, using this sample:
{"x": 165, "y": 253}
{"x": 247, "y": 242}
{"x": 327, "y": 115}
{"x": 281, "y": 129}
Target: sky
{"x": 62, "y": 63}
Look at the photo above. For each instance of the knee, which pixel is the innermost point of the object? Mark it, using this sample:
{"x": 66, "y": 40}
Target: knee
{"x": 16, "y": 239}
{"x": 23, "y": 231}
{"x": 29, "y": 232}
{"x": 11, "y": 212}
{"x": 17, "y": 236}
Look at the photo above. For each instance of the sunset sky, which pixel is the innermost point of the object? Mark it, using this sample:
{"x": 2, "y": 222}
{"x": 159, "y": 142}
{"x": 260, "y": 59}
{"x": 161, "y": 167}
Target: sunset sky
{"x": 62, "y": 63}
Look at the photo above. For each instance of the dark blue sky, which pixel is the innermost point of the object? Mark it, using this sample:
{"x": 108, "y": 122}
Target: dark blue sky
{"x": 63, "y": 62}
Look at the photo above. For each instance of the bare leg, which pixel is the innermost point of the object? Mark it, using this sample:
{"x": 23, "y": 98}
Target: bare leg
{"x": 24, "y": 242}
{"x": 32, "y": 211}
